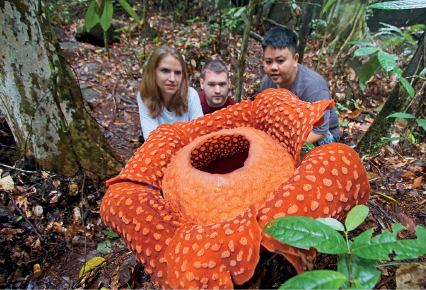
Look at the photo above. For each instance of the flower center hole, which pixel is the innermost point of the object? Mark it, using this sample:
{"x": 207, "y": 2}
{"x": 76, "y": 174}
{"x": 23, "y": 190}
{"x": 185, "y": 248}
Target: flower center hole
{"x": 221, "y": 154}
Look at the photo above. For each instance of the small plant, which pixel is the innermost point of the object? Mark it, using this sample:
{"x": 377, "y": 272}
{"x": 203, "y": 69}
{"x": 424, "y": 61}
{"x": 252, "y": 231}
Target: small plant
{"x": 357, "y": 265}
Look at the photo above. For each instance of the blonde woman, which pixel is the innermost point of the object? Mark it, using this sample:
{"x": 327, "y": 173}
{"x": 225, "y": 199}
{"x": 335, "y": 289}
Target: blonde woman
{"x": 164, "y": 96}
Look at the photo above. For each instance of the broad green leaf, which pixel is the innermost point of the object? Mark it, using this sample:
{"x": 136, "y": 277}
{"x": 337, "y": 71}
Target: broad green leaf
{"x": 327, "y": 5}
{"x": 106, "y": 16}
{"x": 422, "y": 123}
{"x": 332, "y": 223}
{"x": 364, "y": 271}
{"x": 391, "y": 28}
{"x": 320, "y": 279}
{"x": 309, "y": 145}
{"x": 91, "y": 17}
{"x": 90, "y": 265}
{"x": 386, "y": 60}
{"x": 104, "y": 247}
{"x": 398, "y": 5}
{"x": 355, "y": 217}
{"x": 362, "y": 43}
{"x": 305, "y": 233}
{"x": 110, "y": 234}
{"x": 397, "y": 71}
{"x": 239, "y": 12}
{"x": 129, "y": 10}
{"x": 401, "y": 115}
{"x": 365, "y": 51}
{"x": 407, "y": 86}
{"x": 368, "y": 70}
{"x": 379, "y": 247}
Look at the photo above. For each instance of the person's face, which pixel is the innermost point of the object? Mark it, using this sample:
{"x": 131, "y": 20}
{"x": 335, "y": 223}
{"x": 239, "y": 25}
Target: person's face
{"x": 216, "y": 87}
{"x": 168, "y": 75}
{"x": 280, "y": 66}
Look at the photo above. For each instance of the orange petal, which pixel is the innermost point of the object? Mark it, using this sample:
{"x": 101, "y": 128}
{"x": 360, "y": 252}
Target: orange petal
{"x": 287, "y": 119}
{"x": 145, "y": 222}
{"x": 208, "y": 256}
{"x": 329, "y": 182}
{"x": 150, "y": 161}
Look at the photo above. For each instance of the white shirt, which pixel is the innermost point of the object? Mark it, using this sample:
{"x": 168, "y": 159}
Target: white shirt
{"x": 149, "y": 124}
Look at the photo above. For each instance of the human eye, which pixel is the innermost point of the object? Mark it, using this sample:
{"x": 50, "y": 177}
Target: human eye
{"x": 178, "y": 73}
{"x": 164, "y": 70}
{"x": 281, "y": 61}
{"x": 267, "y": 62}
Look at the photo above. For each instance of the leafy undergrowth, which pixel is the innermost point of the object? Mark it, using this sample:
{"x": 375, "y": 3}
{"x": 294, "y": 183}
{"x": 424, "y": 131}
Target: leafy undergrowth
{"x": 65, "y": 212}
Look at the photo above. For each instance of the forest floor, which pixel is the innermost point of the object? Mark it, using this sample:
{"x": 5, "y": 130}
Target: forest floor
{"x": 50, "y": 225}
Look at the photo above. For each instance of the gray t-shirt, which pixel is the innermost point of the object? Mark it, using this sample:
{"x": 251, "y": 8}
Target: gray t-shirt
{"x": 310, "y": 87}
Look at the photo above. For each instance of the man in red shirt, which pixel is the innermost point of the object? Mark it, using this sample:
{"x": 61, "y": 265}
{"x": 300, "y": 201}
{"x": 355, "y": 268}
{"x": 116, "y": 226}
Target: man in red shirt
{"x": 215, "y": 83}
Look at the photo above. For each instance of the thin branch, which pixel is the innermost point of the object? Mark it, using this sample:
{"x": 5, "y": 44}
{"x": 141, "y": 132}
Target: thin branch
{"x": 21, "y": 170}
{"x": 9, "y": 194}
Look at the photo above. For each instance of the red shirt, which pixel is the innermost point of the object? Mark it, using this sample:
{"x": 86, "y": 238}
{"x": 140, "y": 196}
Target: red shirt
{"x": 207, "y": 109}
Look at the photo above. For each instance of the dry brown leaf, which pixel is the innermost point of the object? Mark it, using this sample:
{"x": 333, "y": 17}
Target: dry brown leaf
{"x": 417, "y": 182}
{"x": 410, "y": 276}
{"x": 405, "y": 220}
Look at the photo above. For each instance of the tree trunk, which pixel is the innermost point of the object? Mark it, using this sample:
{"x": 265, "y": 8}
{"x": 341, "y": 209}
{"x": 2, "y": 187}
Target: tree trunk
{"x": 395, "y": 103}
{"x": 242, "y": 61}
{"x": 308, "y": 7}
{"x": 41, "y": 98}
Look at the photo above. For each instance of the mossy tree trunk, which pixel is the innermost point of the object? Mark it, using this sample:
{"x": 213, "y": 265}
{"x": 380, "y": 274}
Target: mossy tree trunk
{"x": 395, "y": 103}
{"x": 41, "y": 99}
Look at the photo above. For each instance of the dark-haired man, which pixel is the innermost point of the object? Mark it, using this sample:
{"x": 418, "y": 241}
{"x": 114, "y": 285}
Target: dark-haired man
{"x": 283, "y": 71}
{"x": 215, "y": 83}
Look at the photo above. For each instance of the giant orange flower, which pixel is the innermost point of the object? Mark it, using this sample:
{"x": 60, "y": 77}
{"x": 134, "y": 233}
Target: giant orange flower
{"x": 224, "y": 176}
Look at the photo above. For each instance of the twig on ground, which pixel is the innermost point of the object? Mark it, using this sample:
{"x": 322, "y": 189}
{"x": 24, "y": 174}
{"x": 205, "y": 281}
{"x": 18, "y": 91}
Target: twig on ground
{"x": 9, "y": 194}
{"x": 21, "y": 170}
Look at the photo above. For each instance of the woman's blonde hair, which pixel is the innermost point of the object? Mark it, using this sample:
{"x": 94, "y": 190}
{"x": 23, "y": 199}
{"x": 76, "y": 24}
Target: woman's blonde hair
{"x": 149, "y": 91}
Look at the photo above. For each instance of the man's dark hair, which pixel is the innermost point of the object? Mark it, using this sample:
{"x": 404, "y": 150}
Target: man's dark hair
{"x": 280, "y": 37}
{"x": 216, "y": 66}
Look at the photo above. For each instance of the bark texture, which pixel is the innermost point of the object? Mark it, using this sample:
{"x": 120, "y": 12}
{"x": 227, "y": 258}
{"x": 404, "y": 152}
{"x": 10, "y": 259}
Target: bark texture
{"x": 41, "y": 99}
{"x": 395, "y": 103}
{"x": 242, "y": 60}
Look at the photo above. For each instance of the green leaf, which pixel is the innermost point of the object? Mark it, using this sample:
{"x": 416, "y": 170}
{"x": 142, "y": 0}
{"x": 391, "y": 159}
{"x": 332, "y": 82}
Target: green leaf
{"x": 91, "y": 17}
{"x": 309, "y": 145}
{"x": 398, "y": 5}
{"x": 367, "y": 71}
{"x": 355, "y": 217}
{"x": 362, "y": 43}
{"x": 19, "y": 218}
{"x": 332, "y": 223}
{"x": 327, "y": 5}
{"x": 401, "y": 115}
{"x": 407, "y": 86}
{"x": 397, "y": 71}
{"x": 387, "y": 140}
{"x": 239, "y": 12}
{"x": 106, "y": 18}
{"x": 344, "y": 124}
{"x": 110, "y": 234}
{"x": 364, "y": 271}
{"x": 365, "y": 51}
{"x": 379, "y": 247}
{"x": 305, "y": 233}
{"x": 129, "y": 10}
{"x": 104, "y": 247}
{"x": 422, "y": 123}
{"x": 422, "y": 73}
{"x": 90, "y": 265}
{"x": 320, "y": 279}
{"x": 386, "y": 60}
{"x": 245, "y": 19}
